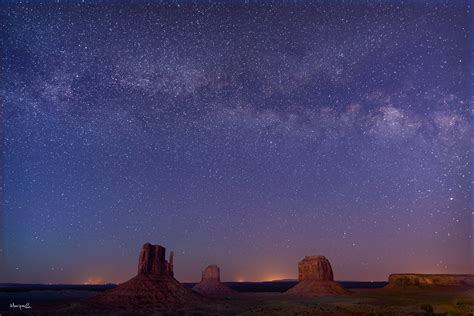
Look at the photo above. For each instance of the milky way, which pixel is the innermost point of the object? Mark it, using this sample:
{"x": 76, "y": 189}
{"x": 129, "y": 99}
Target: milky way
{"x": 247, "y": 136}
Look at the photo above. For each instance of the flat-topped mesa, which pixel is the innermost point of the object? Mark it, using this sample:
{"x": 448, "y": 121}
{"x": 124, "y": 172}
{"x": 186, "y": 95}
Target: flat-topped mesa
{"x": 315, "y": 268}
{"x": 316, "y": 278}
{"x": 415, "y": 281}
{"x": 152, "y": 260}
{"x": 211, "y": 283}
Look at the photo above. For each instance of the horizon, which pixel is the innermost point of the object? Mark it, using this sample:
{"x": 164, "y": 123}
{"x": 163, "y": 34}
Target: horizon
{"x": 248, "y": 136}
{"x": 188, "y": 282}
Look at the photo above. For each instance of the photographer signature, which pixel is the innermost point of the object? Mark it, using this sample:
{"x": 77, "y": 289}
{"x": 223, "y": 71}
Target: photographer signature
{"x": 20, "y": 306}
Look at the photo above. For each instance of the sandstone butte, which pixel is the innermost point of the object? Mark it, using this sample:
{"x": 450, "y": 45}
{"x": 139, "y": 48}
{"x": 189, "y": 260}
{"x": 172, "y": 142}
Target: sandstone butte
{"x": 316, "y": 278}
{"x": 210, "y": 284}
{"x": 153, "y": 287}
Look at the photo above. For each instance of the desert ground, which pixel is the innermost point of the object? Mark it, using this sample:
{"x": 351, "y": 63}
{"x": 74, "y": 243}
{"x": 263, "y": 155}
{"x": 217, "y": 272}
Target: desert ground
{"x": 361, "y": 301}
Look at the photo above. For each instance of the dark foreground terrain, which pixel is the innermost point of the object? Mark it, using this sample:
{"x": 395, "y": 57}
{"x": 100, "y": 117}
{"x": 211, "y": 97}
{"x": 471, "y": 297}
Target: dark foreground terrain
{"x": 253, "y": 298}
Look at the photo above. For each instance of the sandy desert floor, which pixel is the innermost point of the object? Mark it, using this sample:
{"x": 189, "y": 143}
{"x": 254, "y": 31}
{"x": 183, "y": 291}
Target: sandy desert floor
{"x": 359, "y": 302}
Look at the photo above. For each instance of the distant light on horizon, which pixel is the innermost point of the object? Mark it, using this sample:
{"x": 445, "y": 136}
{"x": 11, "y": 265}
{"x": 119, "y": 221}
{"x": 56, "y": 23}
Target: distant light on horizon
{"x": 94, "y": 280}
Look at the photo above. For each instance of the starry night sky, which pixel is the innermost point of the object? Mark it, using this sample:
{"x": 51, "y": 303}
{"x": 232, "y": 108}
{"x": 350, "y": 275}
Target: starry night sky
{"x": 245, "y": 135}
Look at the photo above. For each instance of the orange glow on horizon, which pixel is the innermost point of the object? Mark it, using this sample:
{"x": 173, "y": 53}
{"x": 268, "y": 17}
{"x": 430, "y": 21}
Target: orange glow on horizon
{"x": 269, "y": 278}
{"x": 94, "y": 280}
{"x": 274, "y": 278}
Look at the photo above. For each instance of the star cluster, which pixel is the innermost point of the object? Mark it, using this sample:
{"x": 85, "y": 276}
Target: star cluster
{"x": 247, "y": 135}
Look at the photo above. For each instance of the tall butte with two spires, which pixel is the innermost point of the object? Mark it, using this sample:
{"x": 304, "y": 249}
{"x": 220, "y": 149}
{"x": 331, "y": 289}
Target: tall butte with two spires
{"x": 153, "y": 287}
{"x": 316, "y": 278}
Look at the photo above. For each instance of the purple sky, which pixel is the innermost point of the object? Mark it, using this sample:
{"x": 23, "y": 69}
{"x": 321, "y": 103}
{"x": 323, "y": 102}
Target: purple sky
{"x": 247, "y": 136}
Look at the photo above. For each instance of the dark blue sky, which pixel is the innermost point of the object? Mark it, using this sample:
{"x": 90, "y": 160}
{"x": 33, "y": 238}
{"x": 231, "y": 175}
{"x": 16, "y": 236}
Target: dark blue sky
{"x": 242, "y": 135}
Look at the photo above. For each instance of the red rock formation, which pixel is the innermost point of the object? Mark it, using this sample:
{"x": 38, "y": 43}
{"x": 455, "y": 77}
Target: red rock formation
{"x": 152, "y": 260}
{"x": 154, "y": 287}
{"x": 420, "y": 281}
{"x": 316, "y": 278}
{"x": 315, "y": 268}
{"x": 211, "y": 283}
{"x": 169, "y": 266}
{"x": 211, "y": 273}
